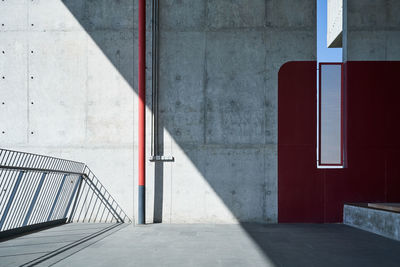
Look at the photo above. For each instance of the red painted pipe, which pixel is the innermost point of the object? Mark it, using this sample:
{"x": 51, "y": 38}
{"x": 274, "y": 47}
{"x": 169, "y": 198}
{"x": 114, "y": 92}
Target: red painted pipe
{"x": 142, "y": 109}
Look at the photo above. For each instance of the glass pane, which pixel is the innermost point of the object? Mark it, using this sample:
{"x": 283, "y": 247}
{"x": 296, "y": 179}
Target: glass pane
{"x": 331, "y": 80}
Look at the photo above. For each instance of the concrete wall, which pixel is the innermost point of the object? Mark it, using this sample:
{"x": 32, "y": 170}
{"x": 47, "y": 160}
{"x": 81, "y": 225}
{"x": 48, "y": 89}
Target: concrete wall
{"x": 218, "y": 105}
{"x": 219, "y": 62}
{"x": 371, "y": 30}
{"x": 67, "y": 87}
{"x": 334, "y": 23}
{"x": 380, "y": 222}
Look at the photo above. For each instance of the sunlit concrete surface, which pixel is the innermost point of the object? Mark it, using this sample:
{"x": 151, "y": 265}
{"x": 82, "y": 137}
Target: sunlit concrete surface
{"x": 203, "y": 245}
{"x": 335, "y": 23}
{"x": 34, "y": 246}
{"x": 70, "y": 91}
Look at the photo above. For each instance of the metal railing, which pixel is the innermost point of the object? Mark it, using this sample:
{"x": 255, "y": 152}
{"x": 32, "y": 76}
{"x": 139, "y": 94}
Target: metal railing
{"x": 37, "y": 190}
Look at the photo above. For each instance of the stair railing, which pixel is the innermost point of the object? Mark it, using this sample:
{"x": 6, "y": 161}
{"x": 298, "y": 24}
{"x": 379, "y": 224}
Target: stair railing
{"x": 37, "y": 191}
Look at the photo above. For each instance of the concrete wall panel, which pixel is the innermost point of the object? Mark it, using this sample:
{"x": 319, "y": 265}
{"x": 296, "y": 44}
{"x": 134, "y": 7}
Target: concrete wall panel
{"x": 109, "y": 93}
{"x": 13, "y": 88}
{"x": 243, "y": 186}
{"x": 392, "y": 14}
{"x": 75, "y": 64}
{"x": 371, "y": 30}
{"x": 182, "y": 70}
{"x": 270, "y": 186}
{"x": 235, "y": 14}
{"x": 9, "y": 21}
{"x": 109, "y": 15}
{"x": 235, "y": 88}
{"x": 189, "y": 188}
{"x": 393, "y": 44}
{"x": 291, "y": 14}
{"x": 366, "y": 15}
{"x": 281, "y": 47}
{"x": 51, "y": 15}
{"x": 373, "y": 49}
{"x": 57, "y": 87}
{"x": 245, "y": 193}
{"x": 185, "y": 15}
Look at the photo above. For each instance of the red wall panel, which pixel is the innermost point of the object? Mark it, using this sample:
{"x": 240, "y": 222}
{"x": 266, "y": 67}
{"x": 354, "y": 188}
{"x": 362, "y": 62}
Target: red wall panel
{"x": 372, "y": 173}
{"x": 298, "y": 181}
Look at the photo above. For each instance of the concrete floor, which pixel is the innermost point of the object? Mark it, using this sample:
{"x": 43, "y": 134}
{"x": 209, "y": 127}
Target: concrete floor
{"x": 201, "y": 245}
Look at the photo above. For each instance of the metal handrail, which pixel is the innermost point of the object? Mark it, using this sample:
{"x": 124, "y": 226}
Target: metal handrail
{"x": 13, "y": 158}
{"x": 39, "y": 170}
{"x": 37, "y": 190}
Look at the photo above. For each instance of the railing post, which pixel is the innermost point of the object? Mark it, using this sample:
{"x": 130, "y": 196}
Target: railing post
{"x": 57, "y": 196}
{"x": 11, "y": 199}
{"x": 77, "y": 186}
{"x": 35, "y": 197}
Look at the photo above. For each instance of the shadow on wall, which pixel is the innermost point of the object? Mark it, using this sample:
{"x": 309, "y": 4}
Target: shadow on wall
{"x": 228, "y": 138}
{"x": 217, "y": 102}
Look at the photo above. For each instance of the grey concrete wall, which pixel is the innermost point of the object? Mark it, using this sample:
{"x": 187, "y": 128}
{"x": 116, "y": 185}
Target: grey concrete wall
{"x": 371, "y": 30}
{"x": 219, "y": 62}
{"x": 218, "y": 105}
{"x": 67, "y": 90}
{"x": 380, "y": 222}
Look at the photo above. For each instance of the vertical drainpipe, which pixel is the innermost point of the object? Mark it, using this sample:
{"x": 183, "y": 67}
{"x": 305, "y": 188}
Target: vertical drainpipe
{"x": 142, "y": 110}
{"x": 154, "y": 79}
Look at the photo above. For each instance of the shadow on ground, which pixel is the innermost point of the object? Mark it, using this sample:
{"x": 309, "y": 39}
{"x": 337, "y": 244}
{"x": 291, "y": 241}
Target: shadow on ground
{"x": 236, "y": 172}
{"x": 323, "y": 245}
{"x": 52, "y": 245}
{"x": 237, "y": 175}
{"x": 205, "y": 245}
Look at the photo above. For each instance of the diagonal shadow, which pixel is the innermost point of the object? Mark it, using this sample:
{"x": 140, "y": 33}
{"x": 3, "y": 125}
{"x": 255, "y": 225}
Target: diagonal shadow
{"x": 49, "y": 247}
{"x": 224, "y": 165}
{"x": 77, "y": 245}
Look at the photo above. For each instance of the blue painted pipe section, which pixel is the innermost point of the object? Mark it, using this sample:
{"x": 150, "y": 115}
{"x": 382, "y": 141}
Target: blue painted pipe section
{"x": 142, "y": 211}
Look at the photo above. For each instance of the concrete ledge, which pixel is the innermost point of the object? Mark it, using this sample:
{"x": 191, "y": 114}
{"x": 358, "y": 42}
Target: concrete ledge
{"x": 381, "y": 222}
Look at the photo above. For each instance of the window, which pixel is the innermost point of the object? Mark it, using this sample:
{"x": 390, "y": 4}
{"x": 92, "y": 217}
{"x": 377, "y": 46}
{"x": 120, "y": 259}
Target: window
{"x": 331, "y": 115}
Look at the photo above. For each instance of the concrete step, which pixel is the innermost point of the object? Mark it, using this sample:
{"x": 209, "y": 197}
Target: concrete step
{"x": 379, "y": 218}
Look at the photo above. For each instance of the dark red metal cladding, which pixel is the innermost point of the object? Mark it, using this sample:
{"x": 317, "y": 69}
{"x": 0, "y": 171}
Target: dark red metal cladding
{"x": 371, "y": 142}
{"x": 299, "y": 186}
